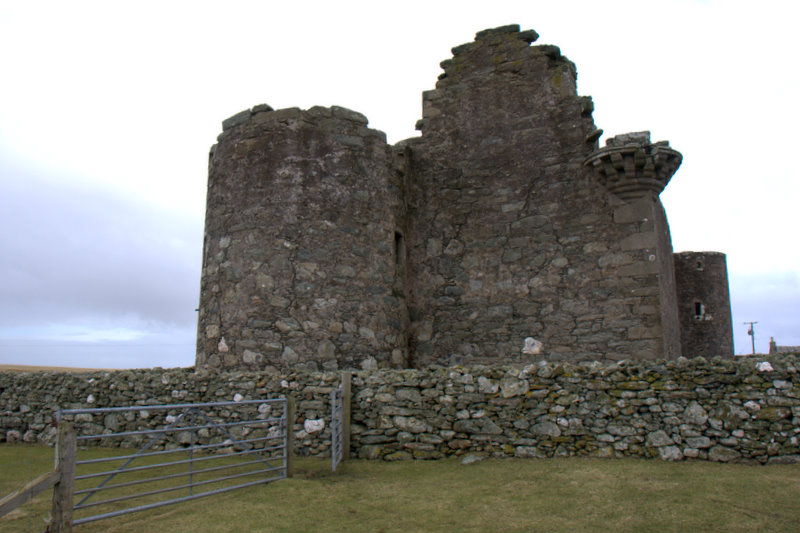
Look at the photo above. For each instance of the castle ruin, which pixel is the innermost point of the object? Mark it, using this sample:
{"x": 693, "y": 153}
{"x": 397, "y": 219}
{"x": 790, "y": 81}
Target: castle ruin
{"x": 502, "y": 234}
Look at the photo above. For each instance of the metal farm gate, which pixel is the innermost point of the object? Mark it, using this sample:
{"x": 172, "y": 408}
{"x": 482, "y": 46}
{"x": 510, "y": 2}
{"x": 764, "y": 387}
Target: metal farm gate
{"x": 185, "y": 452}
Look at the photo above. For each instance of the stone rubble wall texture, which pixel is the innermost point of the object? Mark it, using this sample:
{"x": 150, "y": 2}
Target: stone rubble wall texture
{"x": 513, "y": 236}
{"x": 744, "y": 410}
{"x": 299, "y": 267}
{"x": 326, "y": 248}
{"x": 702, "y": 278}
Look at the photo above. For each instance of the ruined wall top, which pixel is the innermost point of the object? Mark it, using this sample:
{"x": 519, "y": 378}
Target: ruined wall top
{"x": 496, "y": 56}
{"x": 503, "y": 49}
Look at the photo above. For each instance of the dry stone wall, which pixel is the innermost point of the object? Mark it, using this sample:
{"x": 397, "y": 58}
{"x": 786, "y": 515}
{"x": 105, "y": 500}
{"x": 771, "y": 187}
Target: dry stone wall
{"x": 744, "y": 409}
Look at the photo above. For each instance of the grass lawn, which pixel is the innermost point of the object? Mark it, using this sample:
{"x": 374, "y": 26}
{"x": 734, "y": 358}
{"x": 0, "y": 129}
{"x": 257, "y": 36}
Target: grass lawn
{"x": 575, "y": 494}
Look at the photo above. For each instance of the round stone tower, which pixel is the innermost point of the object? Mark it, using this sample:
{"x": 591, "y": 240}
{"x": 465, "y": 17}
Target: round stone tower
{"x": 302, "y": 250}
{"x": 704, "y": 304}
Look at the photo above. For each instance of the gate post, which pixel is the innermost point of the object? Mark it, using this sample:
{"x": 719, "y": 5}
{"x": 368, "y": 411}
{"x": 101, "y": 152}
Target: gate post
{"x": 66, "y": 451}
{"x": 346, "y": 380}
{"x": 289, "y": 451}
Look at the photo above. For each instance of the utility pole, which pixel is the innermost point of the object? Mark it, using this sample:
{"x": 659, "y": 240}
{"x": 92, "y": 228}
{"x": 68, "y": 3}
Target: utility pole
{"x": 752, "y": 332}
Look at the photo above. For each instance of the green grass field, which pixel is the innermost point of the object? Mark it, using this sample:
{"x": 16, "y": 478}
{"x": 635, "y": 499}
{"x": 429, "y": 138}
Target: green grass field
{"x": 576, "y": 494}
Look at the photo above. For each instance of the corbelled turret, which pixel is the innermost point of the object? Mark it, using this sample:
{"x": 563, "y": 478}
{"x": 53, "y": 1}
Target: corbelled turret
{"x": 630, "y": 166}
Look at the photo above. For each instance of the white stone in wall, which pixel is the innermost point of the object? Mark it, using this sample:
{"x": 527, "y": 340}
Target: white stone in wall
{"x": 314, "y": 426}
{"x": 90, "y": 399}
{"x": 532, "y": 347}
{"x": 222, "y": 346}
{"x": 238, "y": 397}
{"x": 752, "y": 406}
{"x": 410, "y": 424}
{"x": 487, "y": 386}
{"x": 370, "y": 363}
{"x": 764, "y": 366}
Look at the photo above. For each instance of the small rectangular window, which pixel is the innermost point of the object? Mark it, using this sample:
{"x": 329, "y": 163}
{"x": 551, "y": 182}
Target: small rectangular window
{"x": 699, "y": 310}
{"x": 399, "y": 250}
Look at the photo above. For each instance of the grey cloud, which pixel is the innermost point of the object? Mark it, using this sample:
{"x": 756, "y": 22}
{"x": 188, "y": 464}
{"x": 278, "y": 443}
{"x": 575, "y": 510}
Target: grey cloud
{"x": 70, "y": 250}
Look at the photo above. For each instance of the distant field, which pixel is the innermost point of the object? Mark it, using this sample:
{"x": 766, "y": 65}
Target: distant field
{"x": 30, "y": 368}
{"x": 555, "y": 495}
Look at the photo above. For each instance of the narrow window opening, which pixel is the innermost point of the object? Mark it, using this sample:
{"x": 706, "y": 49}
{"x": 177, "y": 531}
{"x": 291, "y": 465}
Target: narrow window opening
{"x": 399, "y": 284}
{"x": 399, "y": 250}
{"x": 699, "y": 310}
{"x": 699, "y": 265}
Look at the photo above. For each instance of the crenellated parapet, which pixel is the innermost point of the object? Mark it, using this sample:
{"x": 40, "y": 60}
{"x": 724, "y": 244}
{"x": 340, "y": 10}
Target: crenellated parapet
{"x": 630, "y": 166}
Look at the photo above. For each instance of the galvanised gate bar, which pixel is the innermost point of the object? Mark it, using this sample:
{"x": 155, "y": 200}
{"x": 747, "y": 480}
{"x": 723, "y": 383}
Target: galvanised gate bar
{"x": 202, "y": 449}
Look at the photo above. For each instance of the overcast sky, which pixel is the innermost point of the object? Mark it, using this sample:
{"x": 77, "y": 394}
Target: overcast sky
{"x": 107, "y": 111}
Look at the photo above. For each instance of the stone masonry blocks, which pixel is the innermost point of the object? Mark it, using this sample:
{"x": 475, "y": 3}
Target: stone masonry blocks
{"x": 502, "y": 227}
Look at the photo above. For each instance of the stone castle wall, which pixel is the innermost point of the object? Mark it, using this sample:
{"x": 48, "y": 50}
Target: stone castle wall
{"x": 503, "y": 234}
{"x": 745, "y": 409}
{"x": 704, "y": 303}
{"x": 299, "y": 266}
{"x": 512, "y": 235}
